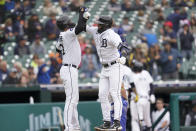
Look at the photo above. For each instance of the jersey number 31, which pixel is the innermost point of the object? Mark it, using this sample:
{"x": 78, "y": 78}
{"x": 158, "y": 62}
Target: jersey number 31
{"x": 104, "y": 43}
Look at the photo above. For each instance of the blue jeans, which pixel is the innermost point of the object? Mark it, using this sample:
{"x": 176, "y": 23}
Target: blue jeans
{"x": 187, "y": 54}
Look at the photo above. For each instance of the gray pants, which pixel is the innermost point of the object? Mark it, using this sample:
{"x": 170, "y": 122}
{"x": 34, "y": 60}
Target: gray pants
{"x": 170, "y": 76}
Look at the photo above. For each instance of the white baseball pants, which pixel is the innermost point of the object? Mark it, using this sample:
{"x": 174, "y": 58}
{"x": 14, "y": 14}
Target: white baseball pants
{"x": 140, "y": 110}
{"x": 110, "y": 83}
{"x": 69, "y": 75}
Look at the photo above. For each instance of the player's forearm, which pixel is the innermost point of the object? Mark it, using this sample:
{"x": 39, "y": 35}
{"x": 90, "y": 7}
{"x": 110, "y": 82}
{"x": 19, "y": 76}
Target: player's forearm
{"x": 164, "y": 124}
{"x": 123, "y": 49}
{"x": 81, "y": 26}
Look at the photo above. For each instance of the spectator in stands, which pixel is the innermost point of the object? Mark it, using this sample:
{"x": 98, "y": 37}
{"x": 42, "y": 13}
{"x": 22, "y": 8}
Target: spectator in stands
{"x": 186, "y": 40}
{"x": 158, "y": 15}
{"x": 126, "y": 26}
{"x": 18, "y": 67}
{"x": 169, "y": 35}
{"x": 63, "y": 5}
{"x": 176, "y": 17}
{"x": 24, "y": 81}
{"x": 191, "y": 116}
{"x": 126, "y": 6}
{"x": 19, "y": 26}
{"x": 150, "y": 5}
{"x": 140, "y": 53}
{"x": 147, "y": 35}
{"x": 3, "y": 70}
{"x": 163, "y": 125}
{"x": 43, "y": 76}
{"x": 170, "y": 60}
{"x": 138, "y": 5}
{"x": 2, "y": 11}
{"x": 34, "y": 27}
{"x": 89, "y": 62}
{"x": 49, "y": 8}
{"x": 27, "y": 7}
{"x": 22, "y": 49}
{"x": 9, "y": 5}
{"x": 18, "y": 10}
{"x": 94, "y": 51}
{"x": 154, "y": 55}
{"x": 12, "y": 78}
{"x": 54, "y": 70}
{"x": 178, "y": 3}
{"x": 51, "y": 29}
{"x": 75, "y": 5}
{"x": 113, "y": 6}
{"x": 193, "y": 24}
{"x": 34, "y": 63}
{"x": 9, "y": 32}
{"x": 164, "y": 3}
{"x": 37, "y": 47}
{"x": 32, "y": 76}
{"x": 82, "y": 44}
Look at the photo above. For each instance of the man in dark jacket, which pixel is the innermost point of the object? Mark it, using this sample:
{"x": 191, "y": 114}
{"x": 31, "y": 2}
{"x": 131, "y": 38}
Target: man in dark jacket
{"x": 170, "y": 61}
{"x": 176, "y": 17}
{"x": 12, "y": 78}
{"x": 186, "y": 39}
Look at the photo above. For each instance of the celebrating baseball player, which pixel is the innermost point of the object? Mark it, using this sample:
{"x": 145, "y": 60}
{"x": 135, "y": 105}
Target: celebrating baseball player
{"x": 69, "y": 47}
{"x": 108, "y": 43}
{"x": 141, "y": 84}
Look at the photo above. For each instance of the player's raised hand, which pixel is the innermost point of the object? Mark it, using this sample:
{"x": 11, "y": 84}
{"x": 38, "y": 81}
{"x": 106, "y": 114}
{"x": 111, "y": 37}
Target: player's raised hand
{"x": 86, "y": 15}
{"x": 84, "y": 12}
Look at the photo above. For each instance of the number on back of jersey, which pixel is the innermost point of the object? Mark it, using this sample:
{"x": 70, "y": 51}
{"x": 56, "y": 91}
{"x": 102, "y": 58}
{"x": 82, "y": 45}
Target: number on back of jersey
{"x": 104, "y": 43}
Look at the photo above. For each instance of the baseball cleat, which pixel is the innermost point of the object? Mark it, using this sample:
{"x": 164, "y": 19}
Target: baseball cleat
{"x": 116, "y": 125}
{"x": 105, "y": 125}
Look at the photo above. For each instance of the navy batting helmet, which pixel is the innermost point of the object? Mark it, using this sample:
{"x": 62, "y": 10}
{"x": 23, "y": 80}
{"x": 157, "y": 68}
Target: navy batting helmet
{"x": 64, "y": 22}
{"x": 137, "y": 66}
{"x": 105, "y": 20}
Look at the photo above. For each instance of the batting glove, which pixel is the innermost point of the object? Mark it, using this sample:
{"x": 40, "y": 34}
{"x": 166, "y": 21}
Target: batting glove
{"x": 121, "y": 60}
{"x": 86, "y": 15}
{"x": 152, "y": 99}
{"x": 136, "y": 98}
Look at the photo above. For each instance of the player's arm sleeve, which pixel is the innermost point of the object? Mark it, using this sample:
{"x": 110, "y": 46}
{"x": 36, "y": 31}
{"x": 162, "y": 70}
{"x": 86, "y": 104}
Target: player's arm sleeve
{"x": 81, "y": 25}
{"x": 59, "y": 44}
{"x": 91, "y": 29}
{"x": 115, "y": 39}
{"x": 117, "y": 42}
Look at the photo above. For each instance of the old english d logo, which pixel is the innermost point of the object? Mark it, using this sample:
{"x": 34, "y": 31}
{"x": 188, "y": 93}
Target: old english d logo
{"x": 104, "y": 43}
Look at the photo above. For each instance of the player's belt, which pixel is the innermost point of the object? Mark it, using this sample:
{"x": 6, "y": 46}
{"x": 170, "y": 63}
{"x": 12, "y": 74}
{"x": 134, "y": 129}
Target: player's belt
{"x": 109, "y": 64}
{"x": 71, "y": 65}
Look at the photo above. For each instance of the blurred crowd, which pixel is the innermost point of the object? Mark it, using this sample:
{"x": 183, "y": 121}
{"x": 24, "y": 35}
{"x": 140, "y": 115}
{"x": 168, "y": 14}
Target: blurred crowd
{"x": 20, "y": 23}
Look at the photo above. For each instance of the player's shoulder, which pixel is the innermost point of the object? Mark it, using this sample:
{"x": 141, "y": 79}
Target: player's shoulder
{"x": 91, "y": 28}
{"x": 145, "y": 72}
{"x": 113, "y": 35}
{"x": 112, "y": 32}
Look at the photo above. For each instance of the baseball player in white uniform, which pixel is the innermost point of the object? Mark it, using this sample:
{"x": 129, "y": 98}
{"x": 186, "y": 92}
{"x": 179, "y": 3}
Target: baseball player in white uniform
{"x": 141, "y": 84}
{"x": 69, "y": 47}
{"x": 108, "y": 45}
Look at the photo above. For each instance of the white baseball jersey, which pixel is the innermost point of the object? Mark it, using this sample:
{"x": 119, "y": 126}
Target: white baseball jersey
{"x": 142, "y": 82}
{"x": 156, "y": 115}
{"x": 127, "y": 76}
{"x": 70, "y": 47}
{"x": 106, "y": 44}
